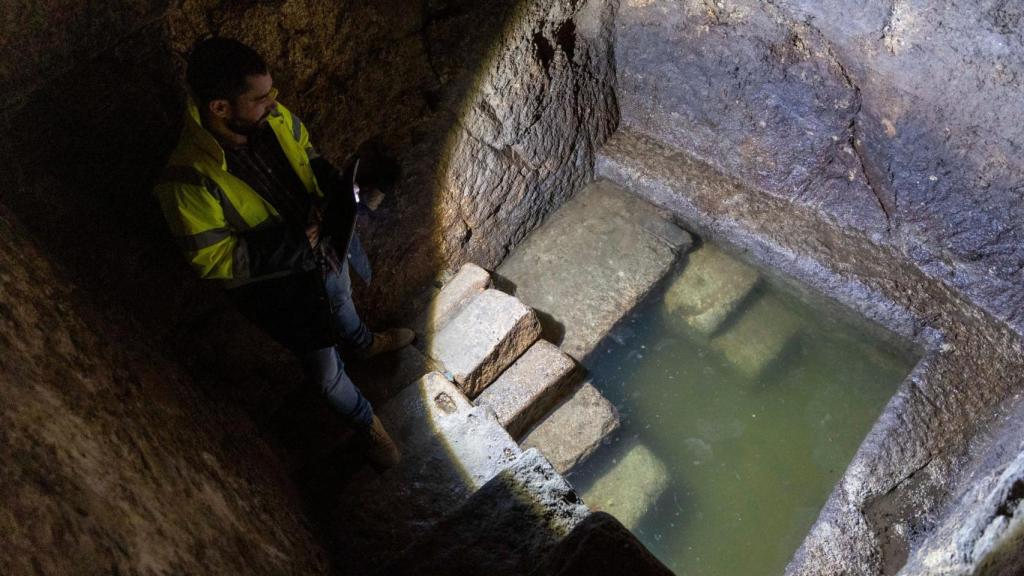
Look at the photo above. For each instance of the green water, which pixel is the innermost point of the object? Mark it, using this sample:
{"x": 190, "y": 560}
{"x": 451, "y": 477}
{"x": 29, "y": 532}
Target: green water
{"x": 751, "y": 460}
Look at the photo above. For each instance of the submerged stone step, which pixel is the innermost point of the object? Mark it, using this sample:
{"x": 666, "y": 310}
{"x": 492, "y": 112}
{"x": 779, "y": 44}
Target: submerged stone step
{"x": 469, "y": 281}
{"x": 592, "y": 262}
{"x": 450, "y": 449}
{"x": 629, "y": 489}
{"x": 759, "y": 335}
{"x": 529, "y": 388}
{"x": 709, "y": 289}
{"x": 575, "y": 428}
{"x": 486, "y": 335}
{"x": 514, "y": 520}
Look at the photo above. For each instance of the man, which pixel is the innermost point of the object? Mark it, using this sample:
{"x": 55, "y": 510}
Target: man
{"x": 245, "y": 195}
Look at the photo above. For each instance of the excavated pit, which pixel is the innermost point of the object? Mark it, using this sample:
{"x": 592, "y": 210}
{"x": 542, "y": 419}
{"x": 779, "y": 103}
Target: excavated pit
{"x": 868, "y": 154}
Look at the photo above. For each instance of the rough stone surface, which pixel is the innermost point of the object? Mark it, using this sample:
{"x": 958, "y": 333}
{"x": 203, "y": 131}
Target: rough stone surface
{"x": 591, "y": 262}
{"x": 574, "y": 429}
{"x": 484, "y": 338}
{"x": 517, "y": 517}
{"x": 630, "y": 487}
{"x": 597, "y": 546}
{"x": 112, "y": 461}
{"x": 469, "y": 281}
{"x": 870, "y": 148}
{"x": 913, "y": 458}
{"x": 888, "y": 117}
{"x": 529, "y": 388}
{"x": 450, "y": 449}
{"x": 983, "y": 532}
{"x": 414, "y": 82}
{"x": 758, "y": 336}
{"x": 711, "y": 286}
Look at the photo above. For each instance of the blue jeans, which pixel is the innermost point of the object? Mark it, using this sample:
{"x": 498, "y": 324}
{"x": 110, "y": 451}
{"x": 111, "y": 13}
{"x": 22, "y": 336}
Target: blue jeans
{"x": 354, "y": 335}
{"x": 324, "y": 367}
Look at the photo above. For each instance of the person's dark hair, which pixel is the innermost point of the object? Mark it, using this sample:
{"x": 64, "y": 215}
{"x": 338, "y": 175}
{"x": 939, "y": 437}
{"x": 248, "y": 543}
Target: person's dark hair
{"x": 218, "y": 68}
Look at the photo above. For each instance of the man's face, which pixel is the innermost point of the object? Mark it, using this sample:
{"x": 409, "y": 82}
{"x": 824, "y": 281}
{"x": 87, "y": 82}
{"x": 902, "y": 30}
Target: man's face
{"x": 250, "y": 110}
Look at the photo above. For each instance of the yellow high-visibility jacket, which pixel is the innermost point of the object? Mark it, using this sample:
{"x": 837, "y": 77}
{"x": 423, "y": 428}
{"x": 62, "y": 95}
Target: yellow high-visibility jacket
{"x": 208, "y": 209}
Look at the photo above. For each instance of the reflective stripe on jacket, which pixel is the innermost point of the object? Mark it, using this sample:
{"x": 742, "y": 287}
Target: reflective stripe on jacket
{"x": 207, "y": 208}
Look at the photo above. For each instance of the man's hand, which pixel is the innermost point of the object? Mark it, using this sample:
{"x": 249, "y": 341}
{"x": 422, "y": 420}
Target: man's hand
{"x": 373, "y": 199}
{"x": 313, "y": 226}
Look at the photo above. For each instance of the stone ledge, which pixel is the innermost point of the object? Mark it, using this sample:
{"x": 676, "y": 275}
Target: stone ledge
{"x": 469, "y": 281}
{"x": 503, "y": 529}
{"x": 575, "y": 429}
{"x": 450, "y": 449}
{"x": 529, "y": 388}
{"x": 600, "y": 545}
{"x": 489, "y": 333}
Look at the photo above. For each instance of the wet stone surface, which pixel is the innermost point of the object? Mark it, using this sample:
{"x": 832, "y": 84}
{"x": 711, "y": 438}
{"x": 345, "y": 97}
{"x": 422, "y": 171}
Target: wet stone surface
{"x": 591, "y": 262}
{"x": 574, "y": 429}
{"x": 711, "y": 286}
{"x": 630, "y": 487}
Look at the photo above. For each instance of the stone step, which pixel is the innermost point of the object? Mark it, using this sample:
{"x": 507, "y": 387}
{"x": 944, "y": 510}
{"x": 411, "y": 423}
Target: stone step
{"x": 450, "y": 449}
{"x": 514, "y": 520}
{"x": 630, "y": 487}
{"x": 382, "y": 377}
{"x": 469, "y": 281}
{"x": 529, "y": 388}
{"x": 593, "y": 260}
{"x": 570, "y": 433}
{"x": 709, "y": 289}
{"x": 759, "y": 335}
{"x": 483, "y": 338}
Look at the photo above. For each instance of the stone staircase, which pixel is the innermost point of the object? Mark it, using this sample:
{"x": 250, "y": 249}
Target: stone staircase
{"x": 489, "y": 379}
{"x": 487, "y": 398}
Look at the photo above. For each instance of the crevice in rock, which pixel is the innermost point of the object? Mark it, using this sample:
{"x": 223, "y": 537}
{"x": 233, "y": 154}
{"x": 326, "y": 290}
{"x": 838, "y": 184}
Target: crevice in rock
{"x": 894, "y": 518}
{"x": 1013, "y": 498}
{"x": 544, "y": 51}
{"x": 872, "y": 176}
{"x": 890, "y": 35}
{"x": 565, "y": 37}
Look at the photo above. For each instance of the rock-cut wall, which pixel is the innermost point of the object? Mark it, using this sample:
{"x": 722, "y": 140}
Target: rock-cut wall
{"x": 113, "y": 463}
{"x": 869, "y": 149}
{"x": 488, "y": 114}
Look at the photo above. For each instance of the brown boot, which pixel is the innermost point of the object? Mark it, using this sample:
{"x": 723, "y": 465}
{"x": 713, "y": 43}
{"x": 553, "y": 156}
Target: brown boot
{"x": 380, "y": 449}
{"x": 389, "y": 340}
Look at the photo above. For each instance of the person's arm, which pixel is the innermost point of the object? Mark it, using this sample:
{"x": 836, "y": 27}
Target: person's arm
{"x": 214, "y": 248}
{"x": 273, "y": 250}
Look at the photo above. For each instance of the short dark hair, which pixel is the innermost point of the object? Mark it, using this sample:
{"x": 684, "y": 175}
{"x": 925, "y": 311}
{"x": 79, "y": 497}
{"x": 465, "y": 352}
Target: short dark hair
{"x": 219, "y": 67}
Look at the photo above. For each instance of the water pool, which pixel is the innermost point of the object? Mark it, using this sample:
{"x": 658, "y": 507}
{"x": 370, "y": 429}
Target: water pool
{"x": 734, "y": 429}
